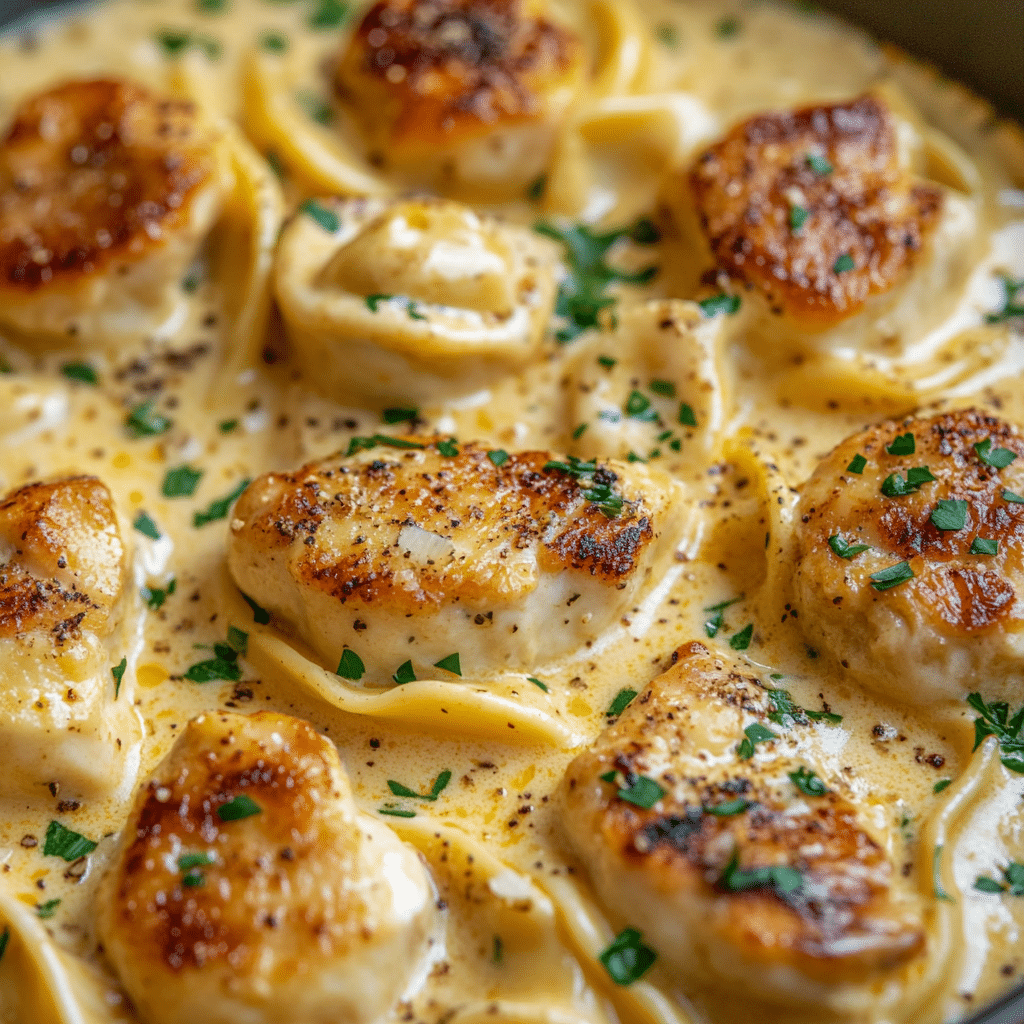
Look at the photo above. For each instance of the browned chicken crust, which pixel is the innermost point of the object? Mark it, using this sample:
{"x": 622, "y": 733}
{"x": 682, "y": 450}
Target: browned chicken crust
{"x": 490, "y": 508}
{"x": 812, "y": 208}
{"x": 442, "y": 70}
{"x": 93, "y": 173}
{"x": 61, "y": 554}
{"x": 840, "y": 925}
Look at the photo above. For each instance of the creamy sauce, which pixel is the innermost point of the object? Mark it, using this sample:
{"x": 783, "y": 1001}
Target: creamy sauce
{"x": 735, "y": 60}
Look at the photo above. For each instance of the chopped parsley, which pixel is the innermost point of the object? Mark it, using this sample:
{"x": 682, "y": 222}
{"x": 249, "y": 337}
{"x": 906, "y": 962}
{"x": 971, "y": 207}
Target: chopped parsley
{"x": 1012, "y": 884}
{"x": 327, "y": 219}
{"x": 317, "y": 109}
{"x": 727, "y": 28}
{"x": 581, "y": 296}
{"x": 665, "y": 388}
{"x": 449, "y": 449}
{"x": 223, "y": 666}
{"x": 941, "y": 785}
{"x": 405, "y": 674}
{"x": 226, "y": 426}
{"x": 741, "y": 641}
{"x": 537, "y": 682}
{"x": 844, "y": 549}
{"x": 498, "y": 456}
{"x": 844, "y": 264}
{"x": 5, "y": 936}
{"x": 1013, "y": 498}
{"x": 238, "y": 639}
{"x": 259, "y": 615}
{"x": 728, "y": 808}
{"x": 819, "y": 164}
{"x": 785, "y": 711}
{"x": 350, "y": 666}
{"x": 984, "y": 546}
{"x": 365, "y": 444}
{"x": 895, "y": 486}
{"x": 48, "y": 909}
{"x": 686, "y": 416}
{"x": 997, "y": 458}
{"x": 181, "y": 482}
{"x": 373, "y": 301}
{"x": 622, "y": 700}
{"x": 190, "y": 863}
{"x": 893, "y": 576}
{"x": 396, "y": 812}
{"x": 497, "y": 950}
{"x": 797, "y": 218}
{"x": 950, "y": 515}
{"x": 450, "y": 664}
{"x": 754, "y": 734}
{"x": 904, "y": 444}
{"x": 118, "y": 673}
{"x": 219, "y": 509}
{"x": 239, "y": 807}
{"x": 627, "y": 959}
{"x": 714, "y": 624}
{"x": 1012, "y": 308}
{"x": 857, "y": 464}
{"x": 144, "y": 421}
{"x": 641, "y": 792}
{"x": 996, "y": 721}
{"x": 808, "y": 782}
{"x": 580, "y": 431}
{"x": 64, "y": 843}
{"x": 667, "y": 35}
{"x": 596, "y": 481}
{"x": 536, "y": 189}
{"x": 210, "y": 6}
{"x": 638, "y": 407}
{"x": 399, "y": 415}
{"x": 607, "y": 362}
{"x": 327, "y": 14}
{"x": 81, "y": 372}
{"x": 780, "y": 877}
{"x": 722, "y": 303}
{"x": 440, "y": 783}
{"x": 174, "y": 42}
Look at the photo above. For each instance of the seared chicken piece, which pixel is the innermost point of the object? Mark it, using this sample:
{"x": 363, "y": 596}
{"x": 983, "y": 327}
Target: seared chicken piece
{"x": 933, "y": 607}
{"x": 418, "y": 554}
{"x": 247, "y": 887}
{"x": 465, "y": 91}
{"x": 62, "y": 573}
{"x": 814, "y": 208}
{"x": 414, "y": 301}
{"x": 735, "y": 876}
{"x": 106, "y": 191}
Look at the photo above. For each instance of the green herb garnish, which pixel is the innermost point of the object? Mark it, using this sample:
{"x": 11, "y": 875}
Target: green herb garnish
{"x": 396, "y": 812}
{"x": 450, "y": 664}
{"x": 405, "y": 674}
{"x": 819, "y": 164}
{"x": 399, "y": 415}
{"x": 240, "y": 807}
{"x": 65, "y": 843}
{"x": 118, "y": 673}
{"x": 844, "y": 264}
{"x": 449, "y": 449}
{"x": 627, "y": 959}
{"x": 351, "y": 665}
{"x": 181, "y": 482}
{"x": 728, "y": 808}
{"x": 895, "y": 486}
{"x": 904, "y": 444}
{"x": 782, "y": 878}
{"x": 622, "y": 700}
{"x": 317, "y": 109}
{"x": 857, "y": 464}
{"x": 808, "y": 782}
{"x": 537, "y": 682}
{"x": 995, "y": 721}
{"x": 81, "y": 372}
{"x": 48, "y": 909}
{"x": 259, "y": 615}
{"x": 727, "y": 28}
{"x": 327, "y": 14}
{"x": 797, "y": 218}
{"x": 1012, "y": 884}
{"x": 753, "y": 734}
{"x": 844, "y": 549}
{"x": 728, "y": 304}
{"x": 224, "y": 666}
{"x": 219, "y": 509}
{"x": 941, "y": 785}
{"x": 144, "y": 421}
{"x": 893, "y": 576}
{"x": 435, "y": 791}
{"x": 365, "y": 444}
{"x": 741, "y": 640}
{"x": 642, "y": 792}
{"x": 665, "y": 388}
{"x": 984, "y": 546}
{"x": 997, "y": 458}
{"x": 596, "y": 481}
{"x": 1011, "y": 306}
{"x": 327, "y": 219}
{"x": 1013, "y": 498}
{"x": 498, "y": 456}
{"x": 950, "y": 515}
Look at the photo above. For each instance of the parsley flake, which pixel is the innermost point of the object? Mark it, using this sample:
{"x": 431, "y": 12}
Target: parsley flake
{"x": 274, "y": 42}
{"x": 596, "y": 481}
{"x": 950, "y": 515}
{"x": 219, "y": 509}
{"x": 580, "y": 431}
{"x": 754, "y": 734}
{"x": 238, "y": 639}
{"x": 226, "y": 426}
{"x": 398, "y": 415}
{"x": 728, "y": 304}
{"x": 819, "y": 164}
{"x": 222, "y": 667}
{"x": 984, "y": 546}
{"x": 65, "y": 843}
{"x": 365, "y": 444}
{"x": 941, "y": 785}
{"x": 240, "y": 807}
{"x": 997, "y": 458}
{"x": 797, "y": 218}
{"x": 667, "y": 35}
{"x": 808, "y": 782}
{"x": 728, "y": 808}
{"x": 844, "y": 264}
{"x": 622, "y": 700}
{"x": 639, "y": 407}
{"x": 118, "y": 673}
{"x": 440, "y": 783}
{"x": 893, "y": 576}
{"x": 857, "y": 464}
{"x": 606, "y": 361}
{"x": 450, "y": 664}
{"x": 144, "y": 421}
{"x": 904, "y": 444}
{"x": 727, "y": 28}
{"x": 1013, "y": 498}
{"x": 1012, "y": 308}
{"x": 537, "y": 682}
{"x": 895, "y": 486}
{"x": 627, "y": 959}
{"x": 449, "y": 449}
{"x": 181, "y": 482}
{"x": 396, "y": 812}
{"x": 536, "y": 189}
{"x": 642, "y": 792}
{"x": 741, "y": 640}
{"x": 686, "y": 416}
{"x": 405, "y": 674}
{"x": 780, "y": 877}
{"x": 327, "y": 14}
{"x": 351, "y": 665}
{"x": 1012, "y": 884}
{"x": 4, "y": 939}
{"x": 259, "y": 615}
{"x": 996, "y": 721}
{"x": 48, "y": 909}
{"x": 327, "y": 219}
{"x": 844, "y": 549}
{"x": 665, "y": 388}
{"x": 498, "y": 456}
{"x": 81, "y": 372}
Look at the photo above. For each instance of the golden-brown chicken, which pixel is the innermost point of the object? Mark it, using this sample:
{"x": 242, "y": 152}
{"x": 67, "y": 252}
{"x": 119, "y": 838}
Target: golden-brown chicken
{"x": 106, "y": 190}
{"x": 62, "y": 573}
{"x": 248, "y": 888}
{"x": 742, "y": 868}
{"x": 471, "y": 90}
{"x": 421, "y": 551}
{"x": 909, "y": 553}
{"x": 814, "y": 208}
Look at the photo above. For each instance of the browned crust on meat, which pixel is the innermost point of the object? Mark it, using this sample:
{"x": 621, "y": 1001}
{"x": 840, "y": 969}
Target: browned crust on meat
{"x": 964, "y": 593}
{"x": 215, "y": 761}
{"x": 867, "y": 209}
{"x": 443, "y": 70}
{"x": 513, "y": 506}
{"x": 94, "y": 173}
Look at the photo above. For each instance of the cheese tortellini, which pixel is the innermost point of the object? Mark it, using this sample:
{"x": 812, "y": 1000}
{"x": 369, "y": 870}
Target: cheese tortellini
{"x": 106, "y": 192}
{"x": 416, "y": 552}
{"x": 742, "y": 878}
{"x": 462, "y": 92}
{"x": 414, "y": 301}
{"x": 64, "y": 717}
{"x": 909, "y": 557}
{"x": 247, "y": 887}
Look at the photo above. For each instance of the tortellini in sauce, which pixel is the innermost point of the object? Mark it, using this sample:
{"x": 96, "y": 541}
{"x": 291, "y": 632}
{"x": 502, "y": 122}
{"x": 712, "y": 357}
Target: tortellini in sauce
{"x": 248, "y": 887}
{"x": 417, "y": 301}
{"x": 106, "y": 192}
{"x": 64, "y": 717}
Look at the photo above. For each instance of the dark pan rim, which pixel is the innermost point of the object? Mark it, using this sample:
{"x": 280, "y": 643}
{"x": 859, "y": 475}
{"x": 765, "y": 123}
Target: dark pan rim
{"x": 22, "y": 15}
